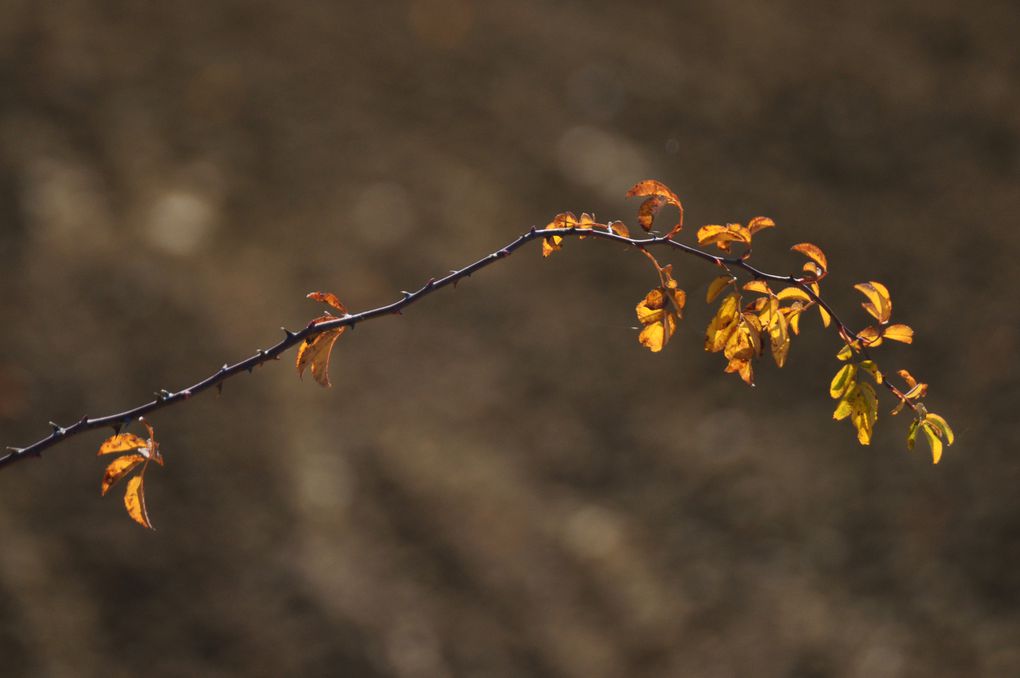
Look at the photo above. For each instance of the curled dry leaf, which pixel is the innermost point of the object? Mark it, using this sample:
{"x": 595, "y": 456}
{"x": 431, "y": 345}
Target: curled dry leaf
{"x": 878, "y": 303}
{"x": 328, "y": 298}
{"x": 315, "y": 351}
{"x": 118, "y": 468}
{"x": 658, "y": 195}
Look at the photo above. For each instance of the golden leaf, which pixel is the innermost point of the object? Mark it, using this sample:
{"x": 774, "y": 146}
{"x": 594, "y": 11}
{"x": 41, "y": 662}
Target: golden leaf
{"x": 933, "y": 436}
{"x": 845, "y": 353}
{"x": 554, "y": 243}
{"x": 793, "y": 293}
{"x": 717, "y": 286}
{"x": 901, "y": 333}
{"x": 843, "y": 409}
{"x": 722, "y": 236}
{"x": 659, "y": 312}
{"x": 134, "y": 501}
{"x": 759, "y": 223}
{"x": 121, "y": 442}
{"x": 658, "y": 195}
{"x": 759, "y": 286}
{"x": 723, "y": 324}
{"x": 314, "y": 354}
{"x": 865, "y": 412}
{"x": 119, "y": 468}
{"x": 813, "y": 253}
{"x": 870, "y": 336}
{"x": 878, "y": 303}
{"x": 328, "y": 298}
{"x": 619, "y": 228}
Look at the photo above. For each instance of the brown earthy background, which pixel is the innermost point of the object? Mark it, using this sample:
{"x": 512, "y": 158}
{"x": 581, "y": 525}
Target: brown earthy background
{"x": 502, "y": 482}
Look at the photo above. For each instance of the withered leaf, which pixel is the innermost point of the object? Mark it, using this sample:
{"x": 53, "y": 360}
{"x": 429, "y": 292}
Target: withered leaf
{"x": 118, "y": 468}
{"x": 328, "y": 298}
{"x": 815, "y": 254}
{"x": 121, "y": 442}
{"x": 658, "y": 195}
{"x": 134, "y": 501}
{"x": 314, "y": 354}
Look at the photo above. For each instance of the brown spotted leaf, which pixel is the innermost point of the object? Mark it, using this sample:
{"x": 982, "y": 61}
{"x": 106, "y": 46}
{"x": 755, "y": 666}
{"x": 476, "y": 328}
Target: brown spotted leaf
{"x": 122, "y": 442}
{"x": 118, "y": 468}
{"x": 134, "y": 501}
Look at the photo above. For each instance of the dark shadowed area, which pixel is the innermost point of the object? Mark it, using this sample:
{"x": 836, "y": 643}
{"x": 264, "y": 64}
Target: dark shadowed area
{"x": 501, "y": 482}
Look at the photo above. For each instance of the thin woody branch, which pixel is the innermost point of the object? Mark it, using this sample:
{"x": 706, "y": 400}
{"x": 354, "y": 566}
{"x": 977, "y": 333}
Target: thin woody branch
{"x": 165, "y": 398}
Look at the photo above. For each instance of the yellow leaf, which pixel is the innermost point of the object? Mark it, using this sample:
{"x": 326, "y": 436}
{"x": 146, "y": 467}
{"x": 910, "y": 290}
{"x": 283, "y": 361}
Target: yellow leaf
{"x": 941, "y": 425}
{"x": 722, "y": 236}
{"x": 870, "y": 367}
{"x": 794, "y": 293}
{"x": 659, "y": 312}
{"x": 843, "y": 381}
{"x": 899, "y": 333}
{"x": 121, "y": 443}
{"x": 843, "y": 409}
{"x": 554, "y": 243}
{"x": 119, "y": 468}
{"x": 717, "y": 286}
{"x": 655, "y": 335}
{"x": 916, "y": 391}
{"x": 912, "y": 434}
{"x": 650, "y": 309}
{"x": 134, "y": 502}
{"x": 878, "y": 303}
{"x": 314, "y": 354}
{"x": 779, "y": 337}
{"x": 328, "y": 298}
{"x": 813, "y": 253}
{"x": 845, "y": 353}
{"x": 743, "y": 368}
{"x": 758, "y": 286}
{"x": 870, "y": 336}
{"x": 931, "y": 434}
{"x": 864, "y": 411}
{"x": 723, "y": 324}
{"x": 907, "y": 377}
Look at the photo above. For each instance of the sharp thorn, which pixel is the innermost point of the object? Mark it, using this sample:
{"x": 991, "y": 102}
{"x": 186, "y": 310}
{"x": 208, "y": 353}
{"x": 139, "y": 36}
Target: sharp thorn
{"x": 407, "y": 295}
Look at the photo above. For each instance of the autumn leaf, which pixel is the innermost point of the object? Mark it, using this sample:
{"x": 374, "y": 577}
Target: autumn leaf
{"x": 315, "y": 351}
{"x": 722, "y": 236}
{"x": 843, "y": 381}
{"x": 328, "y": 298}
{"x": 659, "y": 313}
{"x": 723, "y": 324}
{"x": 134, "y": 501}
{"x": 815, "y": 254}
{"x": 878, "y": 303}
{"x": 144, "y": 451}
{"x": 658, "y": 195}
{"x": 554, "y": 243}
{"x": 901, "y": 333}
{"x": 121, "y": 442}
{"x": 717, "y": 286}
{"x": 619, "y": 228}
{"x": 119, "y": 468}
{"x": 859, "y": 403}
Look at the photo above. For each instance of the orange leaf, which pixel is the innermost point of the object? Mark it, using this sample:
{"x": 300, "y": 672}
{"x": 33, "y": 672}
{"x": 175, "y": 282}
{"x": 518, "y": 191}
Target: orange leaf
{"x": 759, "y": 223}
{"x": 328, "y": 298}
{"x": 899, "y": 333}
{"x": 878, "y": 303}
{"x": 813, "y": 253}
{"x": 658, "y": 195}
{"x": 118, "y": 468}
{"x": 722, "y": 236}
{"x": 121, "y": 442}
{"x": 757, "y": 286}
{"x": 870, "y": 336}
{"x": 134, "y": 502}
{"x": 315, "y": 352}
{"x": 793, "y": 293}
{"x": 619, "y": 228}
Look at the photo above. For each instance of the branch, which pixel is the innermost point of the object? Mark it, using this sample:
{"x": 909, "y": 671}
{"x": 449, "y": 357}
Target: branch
{"x": 165, "y": 398}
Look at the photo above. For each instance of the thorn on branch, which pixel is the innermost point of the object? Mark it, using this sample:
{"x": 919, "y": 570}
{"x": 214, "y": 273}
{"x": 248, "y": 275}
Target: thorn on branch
{"x": 290, "y": 335}
{"x": 407, "y": 295}
{"x": 58, "y": 430}
{"x": 163, "y": 395}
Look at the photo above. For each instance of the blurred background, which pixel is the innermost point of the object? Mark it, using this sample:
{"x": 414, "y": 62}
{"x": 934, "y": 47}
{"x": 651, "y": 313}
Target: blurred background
{"x": 502, "y": 482}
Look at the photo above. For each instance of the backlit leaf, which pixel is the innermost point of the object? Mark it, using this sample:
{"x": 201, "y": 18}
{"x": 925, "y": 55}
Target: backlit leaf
{"x": 134, "y": 501}
{"x": 901, "y": 333}
{"x": 723, "y": 324}
{"x": 119, "y": 468}
{"x": 843, "y": 381}
{"x": 941, "y": 425}
{"x": 328, "y": 298}
{"x": 659, "y": 312}
{"x": 722, "y": 236}
{"x": 815, "y": 254}
{"x": 121, "y": 442}
{"x": 878, "y": 303}
{"x": 912, "y": 434}
{"x": 759, "y": 223}
{"x": 843, "y": 409}
{"x": 619, "y": 228}
{"x": 870, "y": 336}
{"x": 314, "y": 354}
{"x": 845, "y": 353}
{"x": 793, "y": 293}
{"x": 658, "y": 195}
{"x": 759, "y": 286}
{"x": 932, "y": 435}
{"x": 717, "y": 286}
